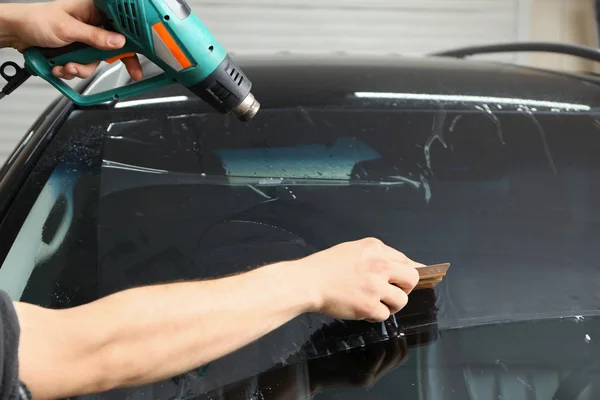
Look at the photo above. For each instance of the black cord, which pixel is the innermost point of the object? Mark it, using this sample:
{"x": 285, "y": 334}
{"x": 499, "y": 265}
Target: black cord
{"x": 586, "y": 52}
{"x": 14, "y": 80}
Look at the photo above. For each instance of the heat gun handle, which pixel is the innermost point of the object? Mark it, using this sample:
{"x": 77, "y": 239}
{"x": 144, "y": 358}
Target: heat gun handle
{"x": 38, "y": 64}
{"x": 79, "y": 53}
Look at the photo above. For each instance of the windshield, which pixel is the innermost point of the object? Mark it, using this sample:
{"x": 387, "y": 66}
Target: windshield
{"x": 137, "y": 196}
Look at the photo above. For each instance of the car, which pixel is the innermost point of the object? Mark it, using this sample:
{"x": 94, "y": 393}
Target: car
{"x": 491, "y": 167}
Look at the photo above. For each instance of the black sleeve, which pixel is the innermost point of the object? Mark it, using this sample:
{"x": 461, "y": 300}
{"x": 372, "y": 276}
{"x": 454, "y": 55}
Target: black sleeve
{"x": 9, "y": 349}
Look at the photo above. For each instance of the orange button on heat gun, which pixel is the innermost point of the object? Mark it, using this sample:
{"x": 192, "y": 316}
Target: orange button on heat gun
{"x": 120, "y": 56}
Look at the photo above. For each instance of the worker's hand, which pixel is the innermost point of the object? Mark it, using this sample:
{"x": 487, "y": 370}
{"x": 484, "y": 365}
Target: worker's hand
{"x": 62, "y": 22}
{"x": 361, "y": 280}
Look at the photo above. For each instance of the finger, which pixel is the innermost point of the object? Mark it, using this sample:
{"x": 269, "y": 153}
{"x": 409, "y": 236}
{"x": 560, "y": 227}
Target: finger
{"x": 394, "y": 255}
{"x": 81, "y": 71}
{"x": 379, "y": 313}
{"x": 78, "y": 31}
{"x": 133, "y": 66}
{"x": 404, "y": 276}
{"x": 60, "y": 72}
{"x": 394, "y": 298}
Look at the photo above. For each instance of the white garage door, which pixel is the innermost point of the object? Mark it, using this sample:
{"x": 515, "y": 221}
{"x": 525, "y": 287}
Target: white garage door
{"x": 409, "y": 27}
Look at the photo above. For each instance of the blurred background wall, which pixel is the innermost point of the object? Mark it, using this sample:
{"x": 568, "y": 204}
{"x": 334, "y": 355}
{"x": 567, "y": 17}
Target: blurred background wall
{"x": 407, "y": 27}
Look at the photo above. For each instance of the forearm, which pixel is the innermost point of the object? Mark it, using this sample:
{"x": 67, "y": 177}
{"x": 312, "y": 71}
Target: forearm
{"x": 151, "y": 333}
{"x": 9, "y": 16}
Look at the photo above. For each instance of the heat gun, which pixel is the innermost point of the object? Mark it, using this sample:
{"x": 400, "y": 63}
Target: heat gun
{"x": 170, "y": 35}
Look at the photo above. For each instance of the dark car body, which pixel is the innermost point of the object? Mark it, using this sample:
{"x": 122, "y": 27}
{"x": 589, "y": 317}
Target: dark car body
{"x": 491, "y": 167}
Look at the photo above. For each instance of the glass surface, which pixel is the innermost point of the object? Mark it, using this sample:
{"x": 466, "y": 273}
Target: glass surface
{"x": 129, "y": 197}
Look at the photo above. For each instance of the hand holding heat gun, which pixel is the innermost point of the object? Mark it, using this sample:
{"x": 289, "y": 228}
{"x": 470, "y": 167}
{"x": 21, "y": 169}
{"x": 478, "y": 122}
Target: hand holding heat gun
{"x": 170, "y": 35}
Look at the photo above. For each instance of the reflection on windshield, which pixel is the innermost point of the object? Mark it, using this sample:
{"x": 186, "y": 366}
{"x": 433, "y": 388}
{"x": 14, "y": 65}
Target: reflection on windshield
{"x": 305, "y": 161}
{"x": 42, "y": 233}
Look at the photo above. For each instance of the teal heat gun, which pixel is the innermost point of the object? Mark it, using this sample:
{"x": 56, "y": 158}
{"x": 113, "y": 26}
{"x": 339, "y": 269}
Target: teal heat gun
{"x": 166, "y": 32}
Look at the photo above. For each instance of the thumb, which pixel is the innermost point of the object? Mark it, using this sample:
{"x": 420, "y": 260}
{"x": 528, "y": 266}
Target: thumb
{"x": 94, "y": 36}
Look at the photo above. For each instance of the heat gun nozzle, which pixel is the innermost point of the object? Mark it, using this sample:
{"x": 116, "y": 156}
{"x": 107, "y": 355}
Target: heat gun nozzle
{"x": 247, "y": 109}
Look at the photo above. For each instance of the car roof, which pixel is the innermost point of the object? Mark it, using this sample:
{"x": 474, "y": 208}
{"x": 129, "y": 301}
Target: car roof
{"x": 291, "y": 81}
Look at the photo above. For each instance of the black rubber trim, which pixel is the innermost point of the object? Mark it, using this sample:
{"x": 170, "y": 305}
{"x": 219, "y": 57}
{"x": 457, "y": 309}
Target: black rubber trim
{"x": 30, "y": 149}
{"x": 589, "y": 53}
{"x": 27, "y": 154}
{"x": 19, "y": 167}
